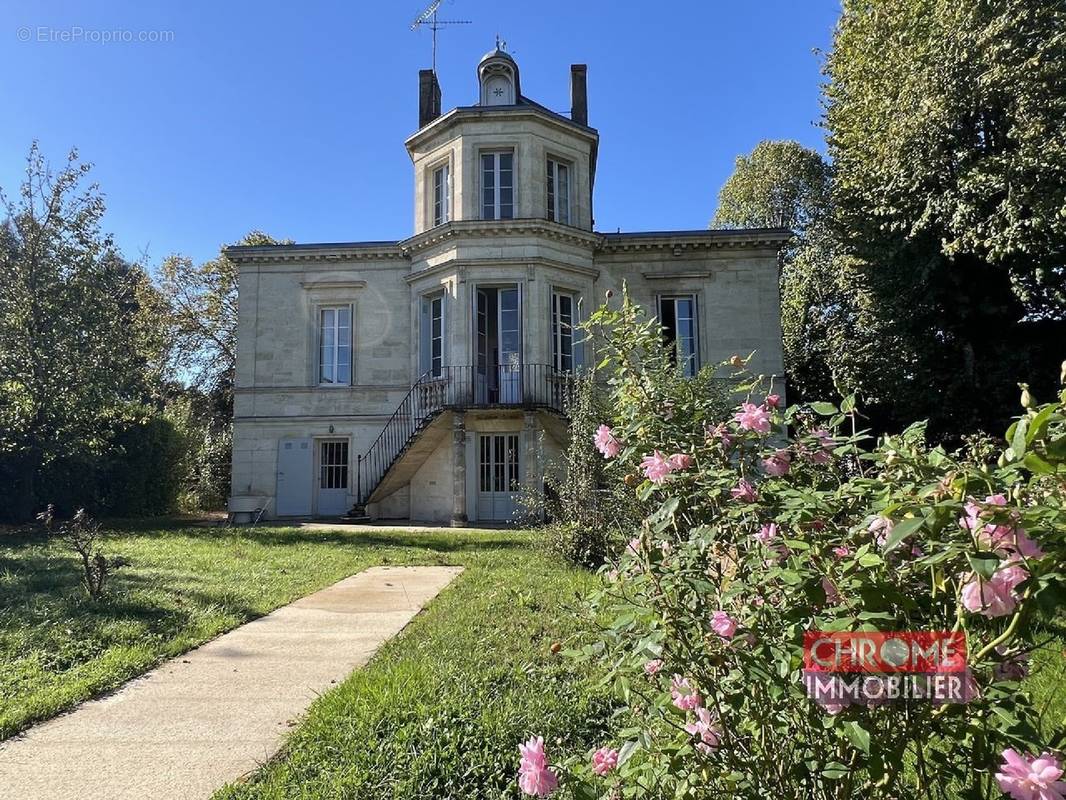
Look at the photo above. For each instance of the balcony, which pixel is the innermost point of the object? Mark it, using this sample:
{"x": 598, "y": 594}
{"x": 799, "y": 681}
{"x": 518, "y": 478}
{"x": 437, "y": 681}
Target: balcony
{"x": 460, "y": 388}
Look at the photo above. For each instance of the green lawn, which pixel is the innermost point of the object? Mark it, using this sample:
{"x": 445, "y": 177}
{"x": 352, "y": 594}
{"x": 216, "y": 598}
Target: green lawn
{"x": 474, "y": 674}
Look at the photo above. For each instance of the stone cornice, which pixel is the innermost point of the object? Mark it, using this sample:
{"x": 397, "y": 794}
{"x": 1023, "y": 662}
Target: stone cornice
{"x": 341, "y": 251}
{"x": 680, "y": 242}
{"x": 460, "y": 265}
{"x": 504, "y": 227}
{"x": 677, "y": 242}
{"x": 523, "y": 111}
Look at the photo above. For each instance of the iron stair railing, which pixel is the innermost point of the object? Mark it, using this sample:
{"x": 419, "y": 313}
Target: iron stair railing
{"x": 458, "y": 388}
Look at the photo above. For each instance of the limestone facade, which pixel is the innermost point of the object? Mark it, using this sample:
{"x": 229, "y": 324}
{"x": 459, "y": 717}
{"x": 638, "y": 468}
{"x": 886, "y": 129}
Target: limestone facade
{"x": 491, "y": 233}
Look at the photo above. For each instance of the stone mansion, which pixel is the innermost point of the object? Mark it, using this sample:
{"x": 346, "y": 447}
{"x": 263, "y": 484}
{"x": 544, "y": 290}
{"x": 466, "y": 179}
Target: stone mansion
{"x": 423, "y": 379}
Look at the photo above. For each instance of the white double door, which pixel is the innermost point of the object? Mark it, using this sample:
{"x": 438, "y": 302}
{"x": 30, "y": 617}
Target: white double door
{"x": 313, "y": 477}
{"x": 498, "y": 338}
{"x": 499, "y": 471}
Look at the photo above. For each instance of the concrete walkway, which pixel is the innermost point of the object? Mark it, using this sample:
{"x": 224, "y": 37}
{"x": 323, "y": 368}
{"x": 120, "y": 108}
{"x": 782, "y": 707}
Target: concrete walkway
{"x": 208, "y": 717}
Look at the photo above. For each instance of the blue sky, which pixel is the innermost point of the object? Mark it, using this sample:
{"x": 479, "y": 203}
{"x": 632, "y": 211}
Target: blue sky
{"x": 290, "y": 117}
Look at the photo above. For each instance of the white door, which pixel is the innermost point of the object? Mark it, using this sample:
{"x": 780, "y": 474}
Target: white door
{"x": 332, "y": 477}
{"x": 498, "y": 471}
{"x": 510, "y": 329}
{"x": 294, "y": 478}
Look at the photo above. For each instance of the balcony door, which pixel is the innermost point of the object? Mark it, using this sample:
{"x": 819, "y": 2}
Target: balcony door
{"x": 498, "y": 335}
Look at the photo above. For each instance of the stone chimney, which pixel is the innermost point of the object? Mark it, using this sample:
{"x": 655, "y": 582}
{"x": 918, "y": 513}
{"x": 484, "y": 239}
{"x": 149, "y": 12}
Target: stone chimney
{"x": 579, "y": 95}
{"x": 428, "y": 97}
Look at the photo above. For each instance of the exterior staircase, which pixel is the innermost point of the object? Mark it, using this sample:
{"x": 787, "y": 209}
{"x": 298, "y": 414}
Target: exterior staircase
{"x": 422, "y": 419}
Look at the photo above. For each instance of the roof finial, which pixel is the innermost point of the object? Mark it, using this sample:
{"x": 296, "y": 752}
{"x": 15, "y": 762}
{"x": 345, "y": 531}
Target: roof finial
{"x": 500, "y": 43}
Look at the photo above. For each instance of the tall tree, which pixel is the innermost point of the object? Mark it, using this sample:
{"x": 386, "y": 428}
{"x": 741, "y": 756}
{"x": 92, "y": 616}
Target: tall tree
{"x": 68, "y": 362}
{"x": 201, "y": 304}
{"x": 947, "y": 132}
{"x": 782, "y": 184}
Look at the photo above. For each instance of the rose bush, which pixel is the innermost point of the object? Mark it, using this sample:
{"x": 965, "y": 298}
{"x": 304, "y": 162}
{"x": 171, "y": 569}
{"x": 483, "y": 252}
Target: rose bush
{"x": 779, "y": 521}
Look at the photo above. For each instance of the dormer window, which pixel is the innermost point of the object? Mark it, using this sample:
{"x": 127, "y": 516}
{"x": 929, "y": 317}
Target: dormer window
{"x": 498, "y": 76}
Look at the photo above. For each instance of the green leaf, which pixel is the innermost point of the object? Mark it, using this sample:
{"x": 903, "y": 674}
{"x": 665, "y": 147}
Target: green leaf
{"x": 984, "y": 564}
{"x": 902, "y": 529}
{"x": 834, "y": 771}
{"x": 825, "y": 409}
{"x": 870, "y": 560}
{"x": 1039, "y": 423}
{"x": 858, "y": 735}
{"x": 1019, "y": 440}
{"x": 1036, "y": 464}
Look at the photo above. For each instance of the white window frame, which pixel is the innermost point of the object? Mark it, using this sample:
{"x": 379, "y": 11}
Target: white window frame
{"x": 426, "y": 338}
{"x": 559, "y": 207}
{"x": 440, "y": 194}
{"x": 692, "y": 363}
{"x": 334, "y": 361}
{"x": 496, "y": 205}
{"x": 557, "y": 333}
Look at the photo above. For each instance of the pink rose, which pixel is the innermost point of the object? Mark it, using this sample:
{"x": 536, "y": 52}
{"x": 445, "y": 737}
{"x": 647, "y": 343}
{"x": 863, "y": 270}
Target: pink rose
{"x": 767, "y": 533}
{"x": 777, "y": 464}
{"x": 1038, "y": 779}
{"x": 1005, "y": 539}
{"x": 753, "y": 418}
{"x": 994, "y": 597}
{"x": 719, "y": 432}
{"x": 723, "y": 624}
{"x": 534, "y": 777}
{"x": 651, "y": 668}
{"x": 604, "y": 760}
{"x": 656, "y": 467}
{"x": 681, "y": 461}
{"x": 833, "y": 707}
{"x": 707, "y": 728}
{"x": 773, "y": 400}
{"x": 842, "y": 551}
{"x": 744, "y": 492}
{"x": 881, "y": 528}
{"x": 683, "y": 695}
{"x": 606, "y": 442}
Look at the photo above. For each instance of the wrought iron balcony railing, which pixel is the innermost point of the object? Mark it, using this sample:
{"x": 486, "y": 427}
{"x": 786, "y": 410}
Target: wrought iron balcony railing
{"x": 459, "y": 388}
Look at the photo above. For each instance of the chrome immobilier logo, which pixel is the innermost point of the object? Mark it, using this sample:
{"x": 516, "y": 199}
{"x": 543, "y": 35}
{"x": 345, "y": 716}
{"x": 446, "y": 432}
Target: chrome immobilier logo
{"x": 874, "y": 667}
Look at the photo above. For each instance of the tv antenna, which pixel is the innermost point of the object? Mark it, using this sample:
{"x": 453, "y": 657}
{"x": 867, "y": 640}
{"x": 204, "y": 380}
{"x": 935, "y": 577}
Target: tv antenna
{"x": 428, "y": 18}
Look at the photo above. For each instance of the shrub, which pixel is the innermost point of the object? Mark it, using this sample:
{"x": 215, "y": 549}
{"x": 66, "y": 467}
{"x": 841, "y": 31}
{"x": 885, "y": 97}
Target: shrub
{"x": 589, "y": 508}
{"x": 585, "y": 515}
{"x": 778, "y": 522}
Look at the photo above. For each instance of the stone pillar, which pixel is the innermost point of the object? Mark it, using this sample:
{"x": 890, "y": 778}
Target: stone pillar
{"x": 458, "y": 469}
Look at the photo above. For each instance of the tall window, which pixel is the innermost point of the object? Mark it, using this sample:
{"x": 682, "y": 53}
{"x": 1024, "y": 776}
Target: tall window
{"x": 558, "y": 191}
{"x": 432, "y": 333}
{"x": 441, "y": 195}
{"x": 563, "y": 307}
{"x": 335, "y": 346}
{"x": 497, "y": 185}
{"x": 677, "y": 314}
